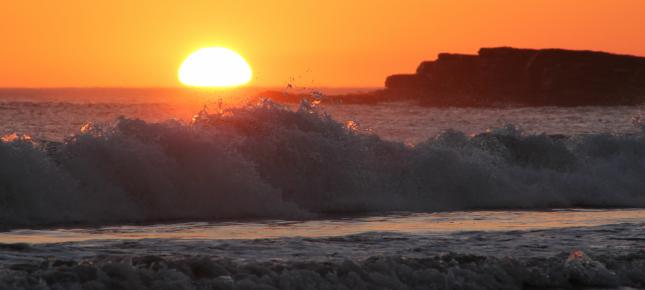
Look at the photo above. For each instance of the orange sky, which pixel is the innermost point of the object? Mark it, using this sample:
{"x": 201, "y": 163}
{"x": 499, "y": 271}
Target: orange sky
{"x": 319, "y": 43}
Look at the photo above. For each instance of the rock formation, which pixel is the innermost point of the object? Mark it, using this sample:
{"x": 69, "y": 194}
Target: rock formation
{"x": 508, "y": 75}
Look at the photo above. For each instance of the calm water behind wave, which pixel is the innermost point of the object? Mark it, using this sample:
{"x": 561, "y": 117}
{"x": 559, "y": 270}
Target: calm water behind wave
{"x": 53, "y": 114}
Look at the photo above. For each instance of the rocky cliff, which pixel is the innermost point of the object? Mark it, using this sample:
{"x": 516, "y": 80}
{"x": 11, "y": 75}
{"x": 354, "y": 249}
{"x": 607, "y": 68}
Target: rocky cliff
{"x": 507, "y": 75}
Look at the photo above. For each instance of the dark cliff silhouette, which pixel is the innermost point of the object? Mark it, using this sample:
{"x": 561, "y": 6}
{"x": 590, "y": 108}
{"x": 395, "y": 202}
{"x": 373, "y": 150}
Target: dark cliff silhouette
{"x": 509, "y": 76}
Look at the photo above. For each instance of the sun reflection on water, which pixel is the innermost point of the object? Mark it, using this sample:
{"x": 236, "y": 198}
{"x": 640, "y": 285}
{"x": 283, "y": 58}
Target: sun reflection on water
{"x": 415, "y": 223}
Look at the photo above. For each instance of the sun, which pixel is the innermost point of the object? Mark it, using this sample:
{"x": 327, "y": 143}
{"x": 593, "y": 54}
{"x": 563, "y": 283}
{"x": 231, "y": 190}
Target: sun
{"x": 215, "y": 67}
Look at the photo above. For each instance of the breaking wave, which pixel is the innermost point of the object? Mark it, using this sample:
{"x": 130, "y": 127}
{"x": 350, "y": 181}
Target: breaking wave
{"x": 270, "y": 161}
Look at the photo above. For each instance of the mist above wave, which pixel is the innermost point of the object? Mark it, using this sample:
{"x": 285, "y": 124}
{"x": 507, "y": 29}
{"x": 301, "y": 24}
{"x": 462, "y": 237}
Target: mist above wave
{"x": 269, "y": 161}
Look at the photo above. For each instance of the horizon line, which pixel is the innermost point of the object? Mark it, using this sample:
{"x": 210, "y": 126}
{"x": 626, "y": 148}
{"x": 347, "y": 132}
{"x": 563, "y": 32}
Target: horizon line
{"x": 186, "y": 87}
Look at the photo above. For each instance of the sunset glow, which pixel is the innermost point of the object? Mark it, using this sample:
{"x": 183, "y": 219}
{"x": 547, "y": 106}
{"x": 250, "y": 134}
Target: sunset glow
{"x": 215, "y": 67}
{"x": 124, "y": 43}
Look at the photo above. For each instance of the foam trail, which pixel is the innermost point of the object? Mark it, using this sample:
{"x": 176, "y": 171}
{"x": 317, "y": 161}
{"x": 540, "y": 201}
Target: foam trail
{"x": 269, "y": 161}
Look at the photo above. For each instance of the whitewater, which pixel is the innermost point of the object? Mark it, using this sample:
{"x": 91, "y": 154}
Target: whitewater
{"x": 262, "y": 196}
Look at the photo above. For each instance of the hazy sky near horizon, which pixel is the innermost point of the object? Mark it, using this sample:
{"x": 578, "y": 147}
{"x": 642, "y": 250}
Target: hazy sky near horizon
{"x": 315, "y": 43}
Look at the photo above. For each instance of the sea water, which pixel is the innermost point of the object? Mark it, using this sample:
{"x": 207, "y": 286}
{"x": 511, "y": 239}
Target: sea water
{"x": 121, "y": 191}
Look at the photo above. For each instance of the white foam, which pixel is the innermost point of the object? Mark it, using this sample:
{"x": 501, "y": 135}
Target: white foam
{"x": 269, "y": 161}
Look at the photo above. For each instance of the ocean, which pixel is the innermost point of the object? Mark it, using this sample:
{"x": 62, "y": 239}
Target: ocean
{"x": 184, "y": 189}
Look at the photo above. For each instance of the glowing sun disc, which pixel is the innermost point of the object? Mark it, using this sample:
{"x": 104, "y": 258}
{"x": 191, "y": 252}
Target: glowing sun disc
{"x": 215, "y": 67}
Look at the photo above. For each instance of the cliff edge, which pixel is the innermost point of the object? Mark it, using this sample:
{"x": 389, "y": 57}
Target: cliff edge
{"x": 534, "y": 77}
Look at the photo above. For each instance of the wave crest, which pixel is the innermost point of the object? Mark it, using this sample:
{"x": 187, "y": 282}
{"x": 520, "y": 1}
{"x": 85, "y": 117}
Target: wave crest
{"x": 269, "y": 161}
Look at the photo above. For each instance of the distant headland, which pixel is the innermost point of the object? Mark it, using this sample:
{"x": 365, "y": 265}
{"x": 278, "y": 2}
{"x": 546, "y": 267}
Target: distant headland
{"x": 511, "y": 76}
